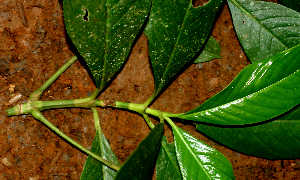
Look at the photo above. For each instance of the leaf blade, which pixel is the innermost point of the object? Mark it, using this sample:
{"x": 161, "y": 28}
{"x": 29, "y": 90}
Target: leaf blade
{"x": 278, "y": 139}
{"x": 198, "y": 160}
{"x": 93, "y": 169}
{"x": 264, "y": 28}
{"x": 167, "y": 167}
{"x": 252, "y": 95}
{"x": 176, "y": 34}
{"x": 211, "y": 51}
{"x": 108, "y": 29}
{"x": 140, "y": 164}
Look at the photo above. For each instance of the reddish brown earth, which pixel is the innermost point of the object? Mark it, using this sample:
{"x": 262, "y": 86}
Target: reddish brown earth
{"x": 31, "y": 51}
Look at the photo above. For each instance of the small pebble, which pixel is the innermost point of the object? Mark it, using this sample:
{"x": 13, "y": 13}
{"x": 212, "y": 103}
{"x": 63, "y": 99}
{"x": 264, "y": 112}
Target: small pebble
{"x": 6, "y": 162}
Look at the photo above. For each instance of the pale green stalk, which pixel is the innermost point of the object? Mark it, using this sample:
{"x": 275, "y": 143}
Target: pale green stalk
{"x": 36, "y": 114}
{"x": 36, "y": 95}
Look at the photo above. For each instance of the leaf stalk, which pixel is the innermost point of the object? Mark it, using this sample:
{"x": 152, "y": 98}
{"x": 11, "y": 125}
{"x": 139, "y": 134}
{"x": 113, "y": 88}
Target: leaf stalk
{"x": 38, "y": 115}
{"x": 36, "y": 95}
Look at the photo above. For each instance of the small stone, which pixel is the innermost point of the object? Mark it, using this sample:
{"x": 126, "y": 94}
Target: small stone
{"x": 6, "y": 162}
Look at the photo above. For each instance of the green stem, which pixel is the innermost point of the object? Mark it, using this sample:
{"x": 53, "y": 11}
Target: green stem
{"x": 150, "y": 100}
{"x": 36, "y": 95}
{"x": 96, "y": 121}
{"x": 169, "y": 120}
{"x": 148, "y": 121}
{"x": 95, "y": 93}
{"x": 99, "y": 131}
{"x": 87, "y": 102}
{"x": 44, "y": 105}
{"x": 36, "y": 114}
{"x": 161, "y": 114}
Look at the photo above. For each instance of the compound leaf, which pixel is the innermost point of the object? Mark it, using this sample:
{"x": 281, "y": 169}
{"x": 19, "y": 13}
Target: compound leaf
{"x": 93, "y": 169}
{"x": 264, "y": 28}
{"x": 176, "y": 31}
{"x": 261, "y": 91}
{"x": 167, "y": 167}
{"x": 198, "y": 160}
{"x": 140, "y": 164}
{"x": 278, "y": 139}
{"x": 103, "y": 32}
{"x": 211, "y": 51}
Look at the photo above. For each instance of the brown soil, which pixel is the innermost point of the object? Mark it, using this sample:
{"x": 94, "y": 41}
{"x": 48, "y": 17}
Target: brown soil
{"x": 33, "y": 49}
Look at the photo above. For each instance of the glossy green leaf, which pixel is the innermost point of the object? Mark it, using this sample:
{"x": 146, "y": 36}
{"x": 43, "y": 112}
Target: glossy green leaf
{"x": 140, "y": 165}
{"x": 211, "y": 51}
{"x": 93, "y": 169}
{"x": 176, "y": 31}
{"x": 293, "y": 4}
{"x": 103, "y": 32}
{"x": 198, "y": 160}
{"x": 167, "y": 167}
{"x": 278, "y": 139}
{"x": 261, "y": 91}
{"x": 264, "y": 28}
{"x": 293, "y": 114}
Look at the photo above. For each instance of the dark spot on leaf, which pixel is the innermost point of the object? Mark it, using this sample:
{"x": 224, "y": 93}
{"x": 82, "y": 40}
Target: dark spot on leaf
{"x": 86, "y": 16}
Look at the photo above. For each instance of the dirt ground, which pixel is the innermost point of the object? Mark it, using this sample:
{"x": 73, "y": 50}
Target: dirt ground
{"x": 34, "y": 46}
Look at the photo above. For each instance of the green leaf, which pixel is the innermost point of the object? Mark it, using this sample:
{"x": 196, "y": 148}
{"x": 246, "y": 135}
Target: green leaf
{"x": 140, "y": 165}
{"x": 167, "y": 167}
{"x": 278, "y": 139}
{"x": 261, "y": 91}
{"x": 198, "y": 160}
{"x": 93, "y": 169}
{"x": 294, "y": 4}
{"x": 103, "y": 32}
{"x": 293, "y": 114}
{"x": 176, "y": 31}
{"x": 211, "y": 51}
{"x": 264, "y": 28}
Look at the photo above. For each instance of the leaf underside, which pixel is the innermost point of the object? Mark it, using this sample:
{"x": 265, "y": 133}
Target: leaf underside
{"x": 167, "y": 167}
{"x": 140, "y": 165}
{"x": 176, "y": 31}
{"x": 103, "y": 32}
{"x": 198, "y": 160}
{"x": 261, "y": 91}
{"x": 264, "y": 28}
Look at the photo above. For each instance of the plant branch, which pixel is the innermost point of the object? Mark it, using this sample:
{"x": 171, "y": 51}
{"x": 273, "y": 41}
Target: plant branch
{"x": 148, "y": 121}
{"x": 38, "y": 115}
{"x": 96, "y": 120}
{"x": 169, "y": 120}
{"x": 36, "y": 95}
{"x": 150, "y": 100}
